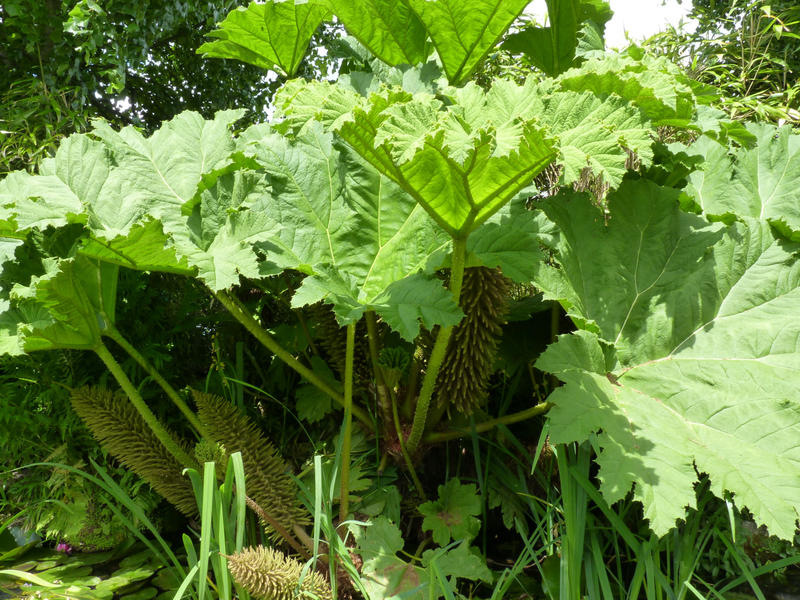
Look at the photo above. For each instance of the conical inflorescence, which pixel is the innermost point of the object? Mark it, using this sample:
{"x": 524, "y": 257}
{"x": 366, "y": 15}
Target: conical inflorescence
{"x": 268, "y": 574}
{"x": 333, "y": 340}
{"x": 469, "y": 362}
{"x": 123, "y": 433}
{"x": 268, "y": 481}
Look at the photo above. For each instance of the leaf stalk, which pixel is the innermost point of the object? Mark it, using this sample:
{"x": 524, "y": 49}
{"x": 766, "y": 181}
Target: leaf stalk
{"x": 528, "y": 413}
{"x": 248, "y": 321}
{"x": 458, "y": 263}
{"x": 139, "y": 404}
{"x": 344, "y": 504}
{"x": 113, "y": 333}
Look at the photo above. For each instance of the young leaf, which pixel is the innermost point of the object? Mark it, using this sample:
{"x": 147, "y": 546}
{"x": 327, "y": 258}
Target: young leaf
{"x": 388, "y": 28}
{"x": 271, "y": 35}
{"x": 452, "y": 516}
{"x": 312, "y": 404}
{"x": 464, "y": 31}
{"x": 384, "y": 574}
{"x": 461, "y": 561}
{"x": 691, "y": 366}
{"x": 461, "y": 162}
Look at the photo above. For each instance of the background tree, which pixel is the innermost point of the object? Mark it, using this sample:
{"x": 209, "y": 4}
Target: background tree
{"x": 130, "y": 62}
{"x": 749, "y": 50}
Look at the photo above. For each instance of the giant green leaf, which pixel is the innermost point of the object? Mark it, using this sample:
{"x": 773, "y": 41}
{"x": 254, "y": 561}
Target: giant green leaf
{"x": 218, "y": 236}
{"x": 762, "y": 182}
{"x": 145, "y": 247}
{"x": 357, "y": 234}
{"x": 596, "y": 134}
{"x": 464, "y": 159}
{"x": 464, "y": 31}
{"x": 553, "y": 48}
{"x": 70, "y": 305}
{"x": 656, "y": 86}
{"x": 130, "y": 191}
{"x": 161, "y": 175}
{"x": 388, "y": 28}
{"x": 56, "y": 196}
{"x": 275, "y": 34}
{"x": 461, "y": 163}
{"x": 687, "y": 363}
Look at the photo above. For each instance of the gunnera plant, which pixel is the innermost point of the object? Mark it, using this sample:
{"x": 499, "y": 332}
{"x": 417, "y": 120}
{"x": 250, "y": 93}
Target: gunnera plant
{"x": 268, "y": 574}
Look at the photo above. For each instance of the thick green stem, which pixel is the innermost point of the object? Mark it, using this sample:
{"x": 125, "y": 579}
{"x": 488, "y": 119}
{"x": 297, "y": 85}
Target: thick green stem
{"x": 388, "y": 395}
{"x": 404, "y": 451}
{"x": 344, "y": 503}
{"x": 383, "y": 393}
{"x": 248, "y": 321}
{"x": 529, "y": 413}
{"x": 459, "y": 259}
{"x": 170, "y": 391}
{"x": 139, "y": 404}
{"x": 407, "y": 408}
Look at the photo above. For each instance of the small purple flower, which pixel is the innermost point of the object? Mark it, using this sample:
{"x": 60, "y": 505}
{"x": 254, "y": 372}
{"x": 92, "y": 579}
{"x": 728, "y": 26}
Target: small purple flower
{"x": 64, "y": 547}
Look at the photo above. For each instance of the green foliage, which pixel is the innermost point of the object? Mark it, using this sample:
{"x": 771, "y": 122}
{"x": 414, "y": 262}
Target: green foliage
{"x": 35, "y": 119}
{"x": 222, "y": 511}
{"x": 453, "y": 515}
{"x": 676, "y": 341}
{"x": 748, "y": 50}
{"x": 576, "y": 27}
{"x": 759, "y": 182}
{"x": 372, "y": 196}
{"x": 275, "y": 34}
{"x": 389, "y": 29}
{"x": 462, "y": 162}
{"x": 464, "y": 31}
{"x": 386, "y": 575}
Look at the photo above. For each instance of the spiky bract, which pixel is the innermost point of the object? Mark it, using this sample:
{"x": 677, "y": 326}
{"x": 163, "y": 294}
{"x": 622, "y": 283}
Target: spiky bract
{"x": 268, "y": 480}
{"x": 268, "y": 574}
{"x": 123, "y": 433}
{"x": 469, "y": 361}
